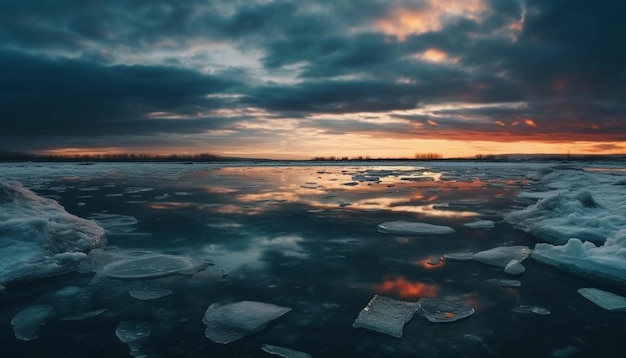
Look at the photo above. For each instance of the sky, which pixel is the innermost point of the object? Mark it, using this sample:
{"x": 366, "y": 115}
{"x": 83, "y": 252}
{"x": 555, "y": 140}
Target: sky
{"x": 291, "y": 79}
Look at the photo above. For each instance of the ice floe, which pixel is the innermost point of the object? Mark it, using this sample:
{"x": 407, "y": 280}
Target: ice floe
{"x": 229, "y": 322}
{"x": 514, "y": 267}
{"x": 502, "y": 256}
{"x": 27, "y": 322}
{"x": 480, "y": 224}
{"x": 38, "y": 237}
{"x": 413, "y": 228}
{"x": 505, "y": 282}
{"x": 440, "y": 310}
{"x": 607, "y": 300}
{"x": 142, "y": 264}
{"x": 284, "y": 352}
{"x": 532, "y": 309}
{"x": 133, "y": 334}
{"x": 459, "y": 256}
{"x": 386, "y": 315}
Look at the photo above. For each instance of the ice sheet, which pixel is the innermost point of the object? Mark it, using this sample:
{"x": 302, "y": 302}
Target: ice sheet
{"x": 229, "y": 322}
{"x": 413, "y": 228}
{"x": 38, "y": 238}
{"x": 386, "y": 315}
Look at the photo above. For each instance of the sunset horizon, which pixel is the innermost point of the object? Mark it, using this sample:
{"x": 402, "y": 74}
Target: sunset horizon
{"x": 293, "y": 81}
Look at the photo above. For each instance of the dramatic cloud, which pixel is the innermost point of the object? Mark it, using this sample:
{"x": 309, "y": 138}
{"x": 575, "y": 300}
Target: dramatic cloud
{"x": 284, "y": 77}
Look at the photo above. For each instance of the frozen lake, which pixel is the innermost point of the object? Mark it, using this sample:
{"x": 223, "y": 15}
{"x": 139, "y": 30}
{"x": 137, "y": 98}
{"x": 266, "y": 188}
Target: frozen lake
{"x": 299, "y": 247}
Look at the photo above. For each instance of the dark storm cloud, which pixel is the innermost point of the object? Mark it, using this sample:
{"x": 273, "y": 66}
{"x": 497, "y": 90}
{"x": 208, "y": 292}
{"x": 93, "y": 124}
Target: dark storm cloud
{"x": 70, "y": 68}
{"x": 59, "y": 97}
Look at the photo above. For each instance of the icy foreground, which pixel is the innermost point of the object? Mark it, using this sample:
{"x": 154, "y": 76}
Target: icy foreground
{"x": 38, "y": 238}
{"x": 581, "y": 214}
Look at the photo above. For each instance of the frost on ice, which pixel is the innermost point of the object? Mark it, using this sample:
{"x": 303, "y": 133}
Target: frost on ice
{"x": 229, "y": 322}
{"x": 284, "y": 352}
{"x": 133, "y": 334}
{"x": 440, "y": 310}
{"x": 386, "y": 315}
{"x": 27, "y": 322}
{"x": 607, "y": 300}
{"x": 413, "y": 228}
{"x": 38, "y": 238}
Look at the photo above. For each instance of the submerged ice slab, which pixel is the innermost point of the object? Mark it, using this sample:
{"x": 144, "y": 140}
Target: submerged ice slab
{"x": 386, "y": 315}
{"x": 440, "y": 310}
{"x": 149, "y": 293}
{"x": 413, "y": 228}
{"x": 480, "y": 224}
{"x": 284, "y": 352}
{"x": 532, "y": 309}
{"x": 502, "y": 256}
{"x": 229, "y": 322}
{"x": 505, "y": 282}
{"x": 133, "y": 334}
{"x": 27, "y": 322}
{"x": 38, "y": 238}
{"x": 607, "y": 300}
{"x": 143, "y": 265}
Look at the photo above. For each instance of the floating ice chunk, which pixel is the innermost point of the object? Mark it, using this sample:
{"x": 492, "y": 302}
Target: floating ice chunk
{"x": 27, "y": 322}
{"x": 505, "y": 282}
{"x": 501, "y": 256}
{"x": 284, "y": 352}
{"x": 149, "y": 265}
{"x": 440, "y": 310}
{"x": 149, "y": 293}
{"x": 85, "y": 315}
{"x": 480, "y": 224}
{"x": 386, "y": 315}
{"x": 584, "y": 258}
{"x": 38, "y": 237}
{"x": 514, "y": 267}
{"x": 229, "y": 322}
{"x": 532, "y": 309}
{"x": 459, "y": 256}
{"x": 413, "y": 228}
{"x": 133, "y": 334}
{"x": 607, "y": 300}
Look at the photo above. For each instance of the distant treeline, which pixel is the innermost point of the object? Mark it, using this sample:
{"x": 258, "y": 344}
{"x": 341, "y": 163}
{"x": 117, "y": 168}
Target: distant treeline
{"x": 6, "y": 156}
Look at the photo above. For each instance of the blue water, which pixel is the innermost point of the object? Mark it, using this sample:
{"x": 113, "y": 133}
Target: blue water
{"x": 298, "y": 236}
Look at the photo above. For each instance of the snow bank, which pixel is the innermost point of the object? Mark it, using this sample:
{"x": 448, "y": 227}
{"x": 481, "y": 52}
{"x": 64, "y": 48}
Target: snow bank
{"x": 38, "y": 238}
{"x": 581, "y": 213}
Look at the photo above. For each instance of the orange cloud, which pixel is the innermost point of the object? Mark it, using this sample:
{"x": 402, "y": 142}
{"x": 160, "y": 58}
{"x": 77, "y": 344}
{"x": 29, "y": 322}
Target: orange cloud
{"x": 403, "y": 22}
{"x": 529, "y": 122}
